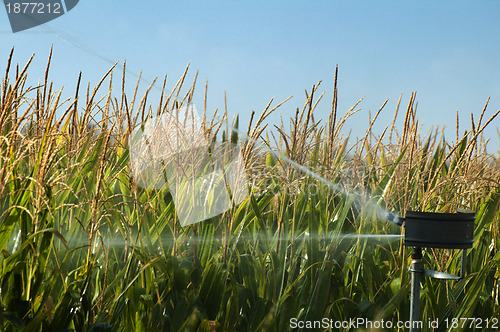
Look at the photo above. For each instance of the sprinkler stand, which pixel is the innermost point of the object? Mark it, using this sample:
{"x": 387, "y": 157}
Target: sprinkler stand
{"x": 416, "y": 271}
{"x": 433, "y": 230}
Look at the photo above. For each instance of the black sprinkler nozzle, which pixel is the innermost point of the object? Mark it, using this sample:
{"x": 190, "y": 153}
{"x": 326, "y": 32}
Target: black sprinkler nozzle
{"x": 395, "y": 219}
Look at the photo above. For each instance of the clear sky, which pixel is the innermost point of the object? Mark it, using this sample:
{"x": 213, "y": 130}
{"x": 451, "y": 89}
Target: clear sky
{"x": 447, "y": 51}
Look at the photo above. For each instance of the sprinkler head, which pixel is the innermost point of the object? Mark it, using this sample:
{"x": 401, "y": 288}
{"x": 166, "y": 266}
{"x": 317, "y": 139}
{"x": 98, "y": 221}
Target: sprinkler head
{"x": 395, "y": 219}
{"x": 439, "y": 230}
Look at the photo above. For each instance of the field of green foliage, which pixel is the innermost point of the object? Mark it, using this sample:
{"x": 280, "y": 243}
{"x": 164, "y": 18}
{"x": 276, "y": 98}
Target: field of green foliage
{"x": 84, "y": 248}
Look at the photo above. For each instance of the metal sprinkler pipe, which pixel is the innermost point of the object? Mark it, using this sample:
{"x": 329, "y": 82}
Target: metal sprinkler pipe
{"x": 416, "y": 271}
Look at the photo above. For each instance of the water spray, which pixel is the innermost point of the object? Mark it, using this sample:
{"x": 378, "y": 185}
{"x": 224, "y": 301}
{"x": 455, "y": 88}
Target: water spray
{"x": 244, "y": 238}
{"x": 386, "y": 215}
{"x": 174, "y": 149}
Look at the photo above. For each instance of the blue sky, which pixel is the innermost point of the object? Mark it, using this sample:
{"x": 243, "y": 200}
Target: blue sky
{"x": 447, "y": 51}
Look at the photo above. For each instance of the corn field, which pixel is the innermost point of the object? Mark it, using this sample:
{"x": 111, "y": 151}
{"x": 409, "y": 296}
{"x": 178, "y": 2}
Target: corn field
{"x": 85, "y": 248}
